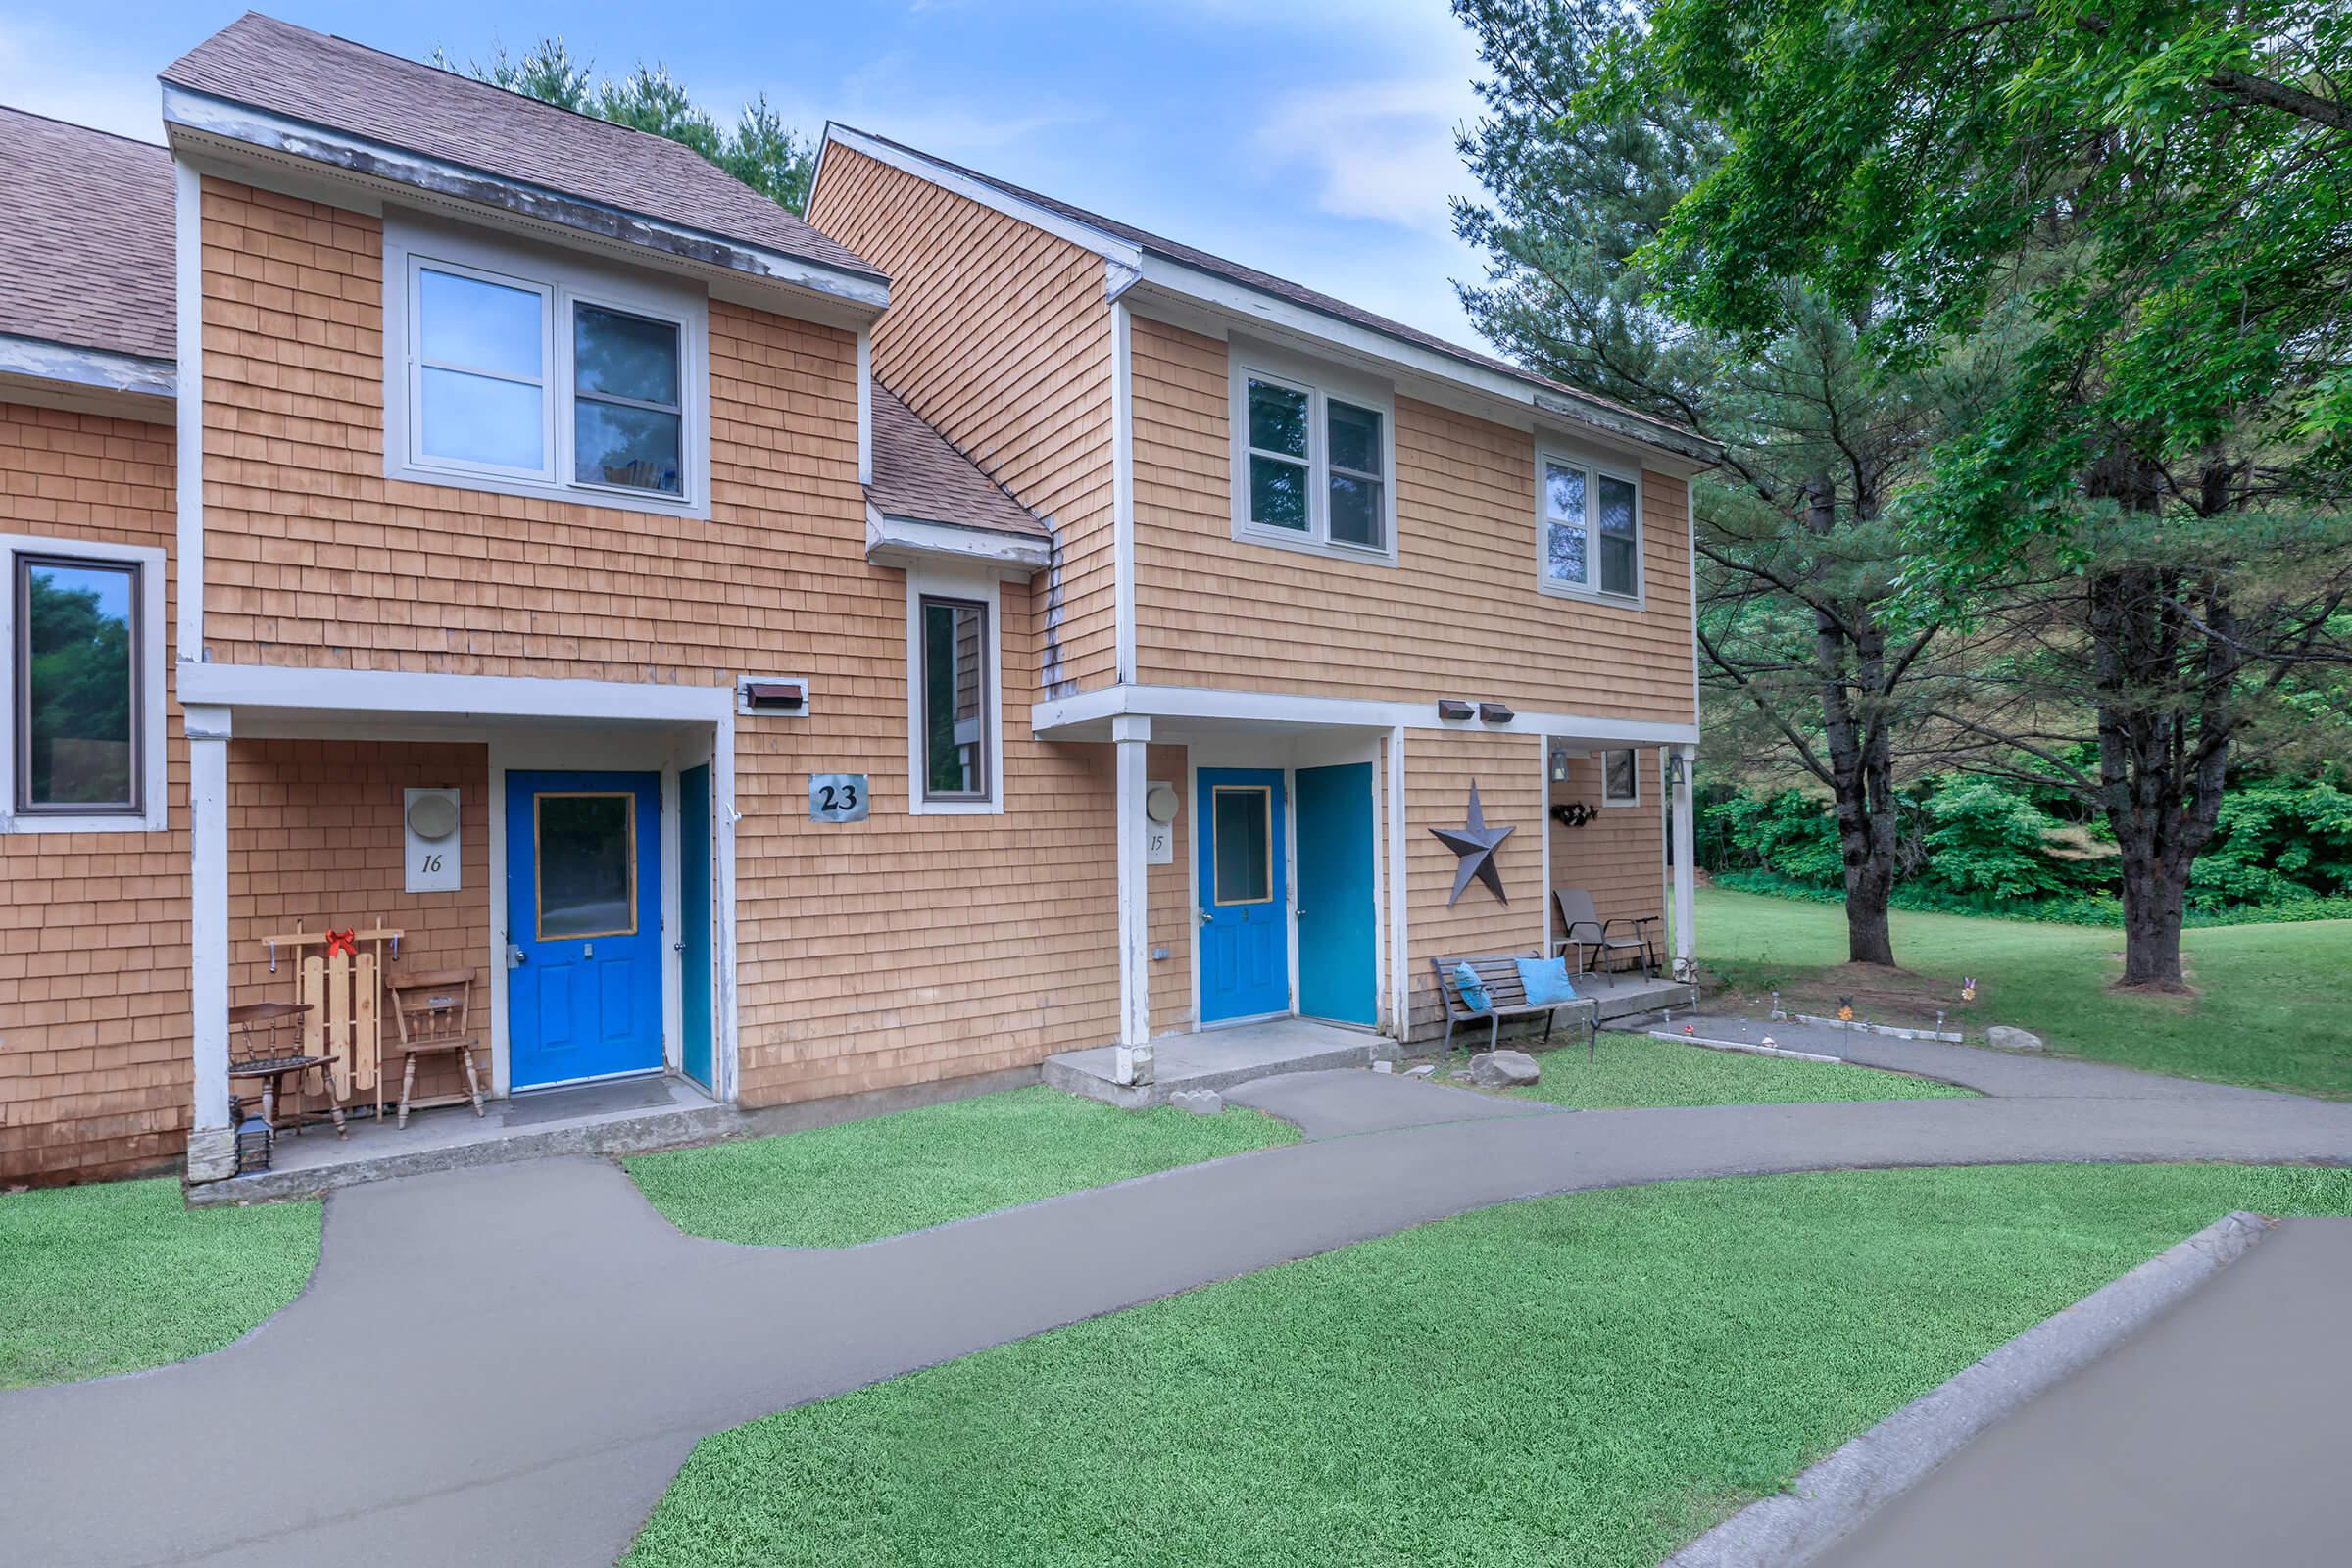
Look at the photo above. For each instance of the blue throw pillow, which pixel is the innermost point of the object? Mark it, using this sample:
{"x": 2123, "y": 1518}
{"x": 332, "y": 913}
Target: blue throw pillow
{"x": 1472, "y": 988}
{"x": 1546, "y": 981}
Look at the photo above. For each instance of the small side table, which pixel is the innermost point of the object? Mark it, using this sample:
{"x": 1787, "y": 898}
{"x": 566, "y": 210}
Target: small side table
{"x": 257, "y": 1024}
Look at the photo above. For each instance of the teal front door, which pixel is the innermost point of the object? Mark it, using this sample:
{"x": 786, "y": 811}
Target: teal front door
{"x": 1338, "y": 926}
{"x": 694, "y": 923}
{"x": 1245, "y": 898}
{"x": 583, "y": 926}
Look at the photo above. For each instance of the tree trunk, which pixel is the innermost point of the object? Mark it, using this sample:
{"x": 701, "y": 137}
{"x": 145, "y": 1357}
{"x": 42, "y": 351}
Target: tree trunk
{"x": 1860, "y": 765}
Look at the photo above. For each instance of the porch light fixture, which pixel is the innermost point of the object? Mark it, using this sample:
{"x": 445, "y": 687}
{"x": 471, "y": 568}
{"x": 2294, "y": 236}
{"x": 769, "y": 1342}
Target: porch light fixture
{"x": 1559, "y": 764}
{"x": 1496, "y": 713}
{"x": 1454, "y": 710}
{"x": 1677, "y": 770}
{"x": 1160, "y": 803}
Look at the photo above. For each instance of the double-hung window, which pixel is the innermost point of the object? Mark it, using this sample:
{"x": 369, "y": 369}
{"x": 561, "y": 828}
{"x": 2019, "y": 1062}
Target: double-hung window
{"x": 532, "y": 377}
{"x": 1312, "y": 465}
{"x": 1591, "y": 528}
{"x": 84, "y": 674}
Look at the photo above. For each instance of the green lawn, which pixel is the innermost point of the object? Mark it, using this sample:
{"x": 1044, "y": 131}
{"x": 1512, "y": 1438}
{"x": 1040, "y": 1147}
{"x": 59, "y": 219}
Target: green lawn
{"x": 119, "y": 1275}
{"x": 2274, "y": 1002}
{"x": 1633, "y": 1071}
{"x": 1587, "y": 1380}
{"x": 859, "y": 1180}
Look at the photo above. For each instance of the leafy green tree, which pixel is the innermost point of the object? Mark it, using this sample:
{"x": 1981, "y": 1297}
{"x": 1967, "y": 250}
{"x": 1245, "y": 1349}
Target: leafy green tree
{"x": 2147, "y": 202}
{"x": 1798, "y": 562}
{"x": 759, "y": 148}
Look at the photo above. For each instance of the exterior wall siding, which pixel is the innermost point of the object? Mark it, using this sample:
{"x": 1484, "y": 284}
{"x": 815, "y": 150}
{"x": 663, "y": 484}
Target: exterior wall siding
{"x": 94, "y": 1064}
{"x": 896, "y": 950}
{"x": 1459, "y": 616}
{"x": 1439, "y": 771}
{"x": 1000, "y": 335}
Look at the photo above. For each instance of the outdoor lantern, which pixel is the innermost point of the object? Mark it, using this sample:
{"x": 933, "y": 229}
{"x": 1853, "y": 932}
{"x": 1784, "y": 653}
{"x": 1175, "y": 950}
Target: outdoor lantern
{"x": 1559, "y": 764}
{"x": 253, "y": 1145}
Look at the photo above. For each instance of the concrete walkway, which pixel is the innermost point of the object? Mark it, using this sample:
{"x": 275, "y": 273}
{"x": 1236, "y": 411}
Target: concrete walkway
{"x": 505, "y": 1365}
{"x": 2218, "y": 1436}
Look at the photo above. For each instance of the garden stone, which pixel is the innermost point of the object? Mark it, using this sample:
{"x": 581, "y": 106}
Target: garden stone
{"x": 1200, "y": 1102}
{"x": 2003, "y": 1038}
{"x": 1428, "y": 1069}
{"x": 1503, "y": 1069}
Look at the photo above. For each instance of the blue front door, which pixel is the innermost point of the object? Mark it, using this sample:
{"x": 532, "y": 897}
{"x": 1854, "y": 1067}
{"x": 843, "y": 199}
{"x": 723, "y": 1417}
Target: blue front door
{"x": 1245, "y": 898}
{"x": 584, "y": 924}
{"x": 694, "y": 920}
{"x": 1336, "y": 924}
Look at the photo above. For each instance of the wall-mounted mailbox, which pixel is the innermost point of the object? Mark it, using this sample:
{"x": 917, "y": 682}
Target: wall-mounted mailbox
{"x": 775, "y": 696}
{"x": 1452, "y": 710}
{"x": 1496, "y": 713}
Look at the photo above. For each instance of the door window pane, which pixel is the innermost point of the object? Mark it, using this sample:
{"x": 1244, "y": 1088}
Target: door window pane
{"x": 1277, "y": 418}
{"x": 586, "y": 850}
{"x": 483, "y": 327}
{"x": 1242, "y": 818}
{"x": 1620, "y": 571}
{"x": 475, "y": 418}
{"x": 77, "y": 695}
{"x": 955, "y": 700}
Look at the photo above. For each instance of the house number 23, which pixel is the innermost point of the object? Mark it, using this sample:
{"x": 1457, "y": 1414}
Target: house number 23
{"x": 837, "y": 797}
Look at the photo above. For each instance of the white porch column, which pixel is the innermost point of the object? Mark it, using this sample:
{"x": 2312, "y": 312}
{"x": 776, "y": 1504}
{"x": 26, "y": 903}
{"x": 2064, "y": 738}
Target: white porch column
{"x": 1686, "y": 874}
{"x": 1131, "y": 734}
{"x": 212, "y": 1142}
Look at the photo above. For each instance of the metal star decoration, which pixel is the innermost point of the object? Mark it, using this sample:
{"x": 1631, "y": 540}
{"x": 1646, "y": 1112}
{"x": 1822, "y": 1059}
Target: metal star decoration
{"x": 1475, "y": 842}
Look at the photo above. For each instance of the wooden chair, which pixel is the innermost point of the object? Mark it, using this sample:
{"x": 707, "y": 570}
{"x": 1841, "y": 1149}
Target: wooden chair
{"x": 1582, "y": 928}
{"x": 433, "y": 1013}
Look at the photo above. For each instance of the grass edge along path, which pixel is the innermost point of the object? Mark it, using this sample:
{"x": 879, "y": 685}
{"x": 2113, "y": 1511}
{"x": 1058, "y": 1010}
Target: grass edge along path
{"x": 120, "y": 1276}
{"x": 1633, "y": 1071}
{"x": 859, "y": 1181}
{"x": 1593, "y": 1379}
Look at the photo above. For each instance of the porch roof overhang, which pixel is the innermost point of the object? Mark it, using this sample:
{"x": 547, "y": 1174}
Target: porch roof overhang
{"x": 348, "y": 702}
{"x": 1175, "y": 712}
{"x": 896, "y": 541}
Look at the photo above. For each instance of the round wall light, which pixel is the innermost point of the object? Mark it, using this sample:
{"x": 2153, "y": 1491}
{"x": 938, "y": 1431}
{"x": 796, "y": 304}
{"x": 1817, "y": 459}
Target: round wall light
{"x": 1160, "y": 803}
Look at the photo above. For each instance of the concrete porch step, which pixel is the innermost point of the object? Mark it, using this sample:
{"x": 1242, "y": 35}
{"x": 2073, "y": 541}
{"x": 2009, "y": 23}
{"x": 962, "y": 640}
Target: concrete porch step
{"x": 1217, "y": 1058}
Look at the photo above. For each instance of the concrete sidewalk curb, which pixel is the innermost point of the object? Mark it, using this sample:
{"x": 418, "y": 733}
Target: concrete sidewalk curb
{"x": 1744, "y": 1046}
{"x": 1831, "y": 1498}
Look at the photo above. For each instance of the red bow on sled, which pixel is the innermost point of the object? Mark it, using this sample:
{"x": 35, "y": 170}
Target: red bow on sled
{"x": 342, "y": 942}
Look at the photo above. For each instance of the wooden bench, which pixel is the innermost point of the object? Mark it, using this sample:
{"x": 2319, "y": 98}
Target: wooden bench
{"x": 1506, "y": 997}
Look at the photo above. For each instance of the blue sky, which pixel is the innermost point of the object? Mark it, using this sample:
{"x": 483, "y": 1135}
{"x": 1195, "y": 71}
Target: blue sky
{"x": 1312, "y": 138}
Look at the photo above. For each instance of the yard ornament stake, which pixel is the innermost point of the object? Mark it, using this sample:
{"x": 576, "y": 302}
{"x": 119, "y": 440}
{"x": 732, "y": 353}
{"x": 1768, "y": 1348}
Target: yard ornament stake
{"x": 1475, "y": 844}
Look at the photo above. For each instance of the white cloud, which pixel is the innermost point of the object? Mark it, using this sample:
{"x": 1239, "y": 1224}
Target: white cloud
{"x": 46, "y": 71}
{"x": 1380, "y": 150}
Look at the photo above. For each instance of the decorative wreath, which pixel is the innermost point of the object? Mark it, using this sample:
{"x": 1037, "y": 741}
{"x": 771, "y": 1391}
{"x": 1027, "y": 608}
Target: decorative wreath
{"x": 1574, "y": 813}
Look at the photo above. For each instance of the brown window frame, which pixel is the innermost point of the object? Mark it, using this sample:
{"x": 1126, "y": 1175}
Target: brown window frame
{"x": 20, "y": 655}
{"x": 985, "y": 793}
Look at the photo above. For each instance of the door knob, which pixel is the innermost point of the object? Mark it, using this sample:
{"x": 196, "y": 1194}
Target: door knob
{"x": 516, "y": 957}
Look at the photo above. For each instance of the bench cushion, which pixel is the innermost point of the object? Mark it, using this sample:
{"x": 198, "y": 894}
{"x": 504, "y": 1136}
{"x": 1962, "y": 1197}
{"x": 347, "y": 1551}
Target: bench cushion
{"x": 1545, "y": 981}
{"x": 1473, "y": 990}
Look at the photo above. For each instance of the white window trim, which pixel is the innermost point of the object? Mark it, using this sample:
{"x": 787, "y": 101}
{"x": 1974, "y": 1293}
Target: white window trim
{"x": 561, "y": 281}
{"x": 1595, "y": 469}
{"x": 980, "y": 587}
{"x": 152, "y": 635}
{"x": 1607, "y": 800}
{"x": 1321, "y": 383}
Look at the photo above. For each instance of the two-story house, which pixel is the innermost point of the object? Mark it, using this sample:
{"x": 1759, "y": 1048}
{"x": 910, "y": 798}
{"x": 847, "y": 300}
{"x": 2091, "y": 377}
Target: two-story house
{"x": 853, "y": 655}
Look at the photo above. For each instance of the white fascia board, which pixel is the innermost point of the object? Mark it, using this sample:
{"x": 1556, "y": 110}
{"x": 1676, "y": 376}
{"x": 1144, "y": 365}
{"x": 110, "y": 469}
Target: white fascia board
{"x": 371, "y": 691}
{"x": 892, "y": 541}
{"x": 1062, "y": 227}
{"x": 202, "y": 122}
{"x": 1527, "y": 403}
{"x": 1099, "y": 707}
{"x": 187, "y": 281}
{"x": 99, "y": 369}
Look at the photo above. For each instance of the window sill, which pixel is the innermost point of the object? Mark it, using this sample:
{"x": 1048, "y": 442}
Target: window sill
{"x": 923, "y": 808}
{"x": 543, "y": 490}
{"x": 1253, "y": 534}
{"x": 1591, "y": 595}
{"x": 111, "y": 823}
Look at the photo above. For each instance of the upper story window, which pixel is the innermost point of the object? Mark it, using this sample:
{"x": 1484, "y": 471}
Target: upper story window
{"x": 1314, "y": 462}
{"x": 529, "y": 375}
{"x": 955, "y": 752}
{"x": 1591, "y": 529}
{"x": 85, "y": 739}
